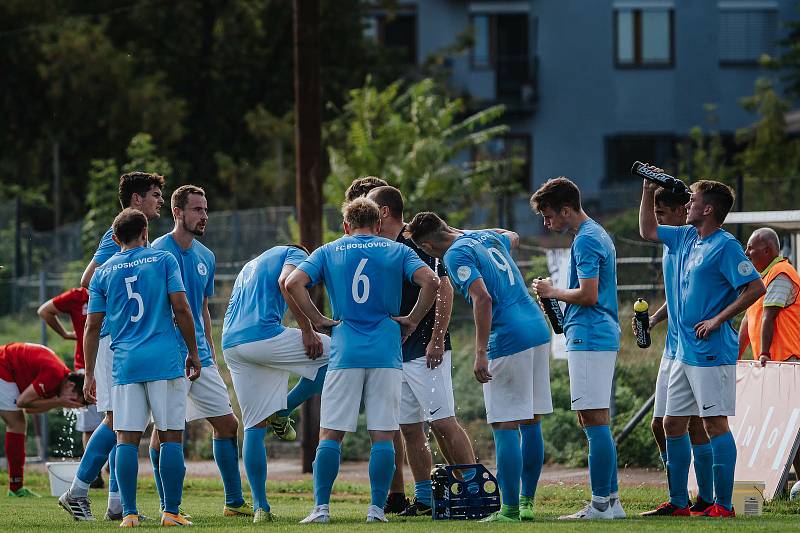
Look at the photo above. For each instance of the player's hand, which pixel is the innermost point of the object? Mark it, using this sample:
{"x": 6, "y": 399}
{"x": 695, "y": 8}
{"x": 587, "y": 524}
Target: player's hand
{"x": 88, "y": 389}
{"x": 650, "y": 185}
{"x": 326, "y": 325}
{"x": 312, "y": 344}
{"x": 407, "y": 326}
{"x": 481, "y": 368}
{"x": 434, "y": 353}
{"x": 72, "y": 400}
{"x": 193, "y": 366}
{"x": 703, "y": 329}
{"x": 543, "y": 288}
{"x": 763, "y": 358}
{"x": 70, "y": 336}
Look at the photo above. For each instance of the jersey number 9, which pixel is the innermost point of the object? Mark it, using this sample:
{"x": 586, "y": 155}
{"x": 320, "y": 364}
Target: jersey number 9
{"x": 502, "y": 263}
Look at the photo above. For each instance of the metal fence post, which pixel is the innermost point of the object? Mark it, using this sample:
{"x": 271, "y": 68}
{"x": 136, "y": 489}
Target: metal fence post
{"x": 44, "y": 438}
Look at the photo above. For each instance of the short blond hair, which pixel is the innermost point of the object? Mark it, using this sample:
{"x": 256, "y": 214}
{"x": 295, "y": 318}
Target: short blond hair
{"x": 361, "y": 213}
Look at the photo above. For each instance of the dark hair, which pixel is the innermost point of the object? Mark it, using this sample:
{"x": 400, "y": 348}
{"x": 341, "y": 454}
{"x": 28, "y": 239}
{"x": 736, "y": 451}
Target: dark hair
{"x": 361, "y": 186}
{"x": 667, "y": 198}
{"x": 139, "y": 183}
{"x": 77, "y": 378}
{"x": 129, "y": 224}
{"x": 361, "y": 213}
{"x": 555, "y": 194}
{"x": 181, "y": 195}
{"x": 390, "y": 197}
{"x": 298, "y": 246}
{"x": 423, "y": 226}
{"x": 717, "y": 195}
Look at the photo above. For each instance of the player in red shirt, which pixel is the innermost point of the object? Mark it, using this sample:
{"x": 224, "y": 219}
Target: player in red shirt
{"x": 33, "y": 378}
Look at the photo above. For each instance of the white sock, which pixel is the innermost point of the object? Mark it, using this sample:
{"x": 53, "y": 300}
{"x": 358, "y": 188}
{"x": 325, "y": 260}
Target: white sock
{"x": 613, "y": 496}
{"x": 79, "y": 489}
{"x": 600, "y": 503}
{"x": 114, "y": 502}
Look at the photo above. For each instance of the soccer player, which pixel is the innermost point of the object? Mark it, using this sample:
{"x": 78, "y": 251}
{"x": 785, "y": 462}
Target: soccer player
{"x": 73, "y": 303}
{"x": 591, "y": 328}
{"x": 35, "y": 379}
{"x": 208, "y": 395}
{"x": 427, "y": 391}
{"x": 361, "y": 186}
{"x": 363, "y": 275}
{"x": 717, "y": 282}
{"x": 512, "y": 350}
{"x": 261, "y": 353}
{"x": 670, "y": 210}
{"x": 142, "y": 191}
{"x": 139, "y": 290}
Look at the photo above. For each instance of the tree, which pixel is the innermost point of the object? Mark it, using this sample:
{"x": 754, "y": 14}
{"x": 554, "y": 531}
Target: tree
{"x": 790, "y": 58}
{"x": 703, "y": 155}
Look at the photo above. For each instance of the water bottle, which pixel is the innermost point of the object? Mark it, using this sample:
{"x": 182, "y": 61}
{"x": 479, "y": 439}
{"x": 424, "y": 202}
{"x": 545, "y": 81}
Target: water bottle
{"x": 674, "y": 185}
{"x": 641, "y": 323}
{"x": 553, "y": 311}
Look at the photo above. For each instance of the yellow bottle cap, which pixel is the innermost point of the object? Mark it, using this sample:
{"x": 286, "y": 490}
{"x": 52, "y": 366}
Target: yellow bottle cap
{"x": 640, "y": 306}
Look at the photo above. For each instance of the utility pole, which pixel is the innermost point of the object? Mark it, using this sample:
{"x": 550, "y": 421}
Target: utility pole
{"x": 308, "y": 165}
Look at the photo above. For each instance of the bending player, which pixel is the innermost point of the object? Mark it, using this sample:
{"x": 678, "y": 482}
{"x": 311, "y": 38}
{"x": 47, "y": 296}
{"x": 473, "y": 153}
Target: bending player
{"x": 591, "y": 327}
{"x": 261, "y": 353}
{"x": 717, "y": 282}
{"x": 363, "y": 275}
{"x": 140, "y": 289}
{"x": 208, "y": 395}
{"x": 512, "y": 350}
{"x": 33, "y": 378}
{"x": 142, "y": 191}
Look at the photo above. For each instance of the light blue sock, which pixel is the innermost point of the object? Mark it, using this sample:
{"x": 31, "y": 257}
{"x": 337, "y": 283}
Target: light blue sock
{"x": 173, "y": 470}
{"x": 602, "y": 459}
{"x": 100, "y": 444}
{"x": 724, "y": 449}
{"x": 508, "y": 455}
{"x": 679, "y": 455}
{"x": 614, "y": 481}
{"x": 664, "y": 458}
{"x": 326, "y": 468}
{"x": 127, "y": 466}
{"x": 226, "y": 454}
{"x": 381, "y": 471}
{"x": 704, "y": 470}
{"x": 254, "y": 454}
{"x": 112, "y": 473}
{"x": 423, "y": 492}
{"x": 154, "y": 460}
{"x": 305, "y": 389}
{"x": 532, "y": 457}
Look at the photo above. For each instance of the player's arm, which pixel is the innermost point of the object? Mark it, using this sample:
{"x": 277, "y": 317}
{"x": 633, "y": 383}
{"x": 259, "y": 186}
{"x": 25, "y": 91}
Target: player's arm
{"x": 30, "y": 400}
{"x": 185, "y": 322}
{"x": 91, "y": 340}
{"x": 512, "y": 236}
{"x": 207, "y": 327}
{"x": 767, "y": 331}
{"x": 482, "y": 313}
{"x": 656, "y": 318}
{"x": 752, "y": 291}
{"x": 586, "y": 294}
{"x": 49, "y": 313}
{"x": 296, "y": 286}
{"x": 444, "y": 308}
{"x": 311, "y": 341}
{"x": 88, "y": 272}
{"x": 428, "y": 282}
{"x": 648, "y": 225}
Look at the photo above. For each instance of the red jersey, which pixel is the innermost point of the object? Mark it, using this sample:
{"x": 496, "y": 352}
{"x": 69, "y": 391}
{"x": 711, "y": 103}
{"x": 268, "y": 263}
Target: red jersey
{"x": 25, "y": 364}
{"x": 74, "y": 303}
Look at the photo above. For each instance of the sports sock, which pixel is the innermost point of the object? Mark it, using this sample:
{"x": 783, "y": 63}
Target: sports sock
{"x": 127, "y": 466}
{"x": 510, "y": 511}
{"x": 94, "y": 457}
{"x": 724, "y": 450}
{"x": 614, "y": 485}
{"x": 532, "y": 457}
{"x": 602, "y": 459}
{"x": 508, "y": 456}
{"x": 704, "y": 471}
{"x": 254, "y": 454}
{"x": 326, "y": 468}
{"x": 112, "y": 474}
{"x": 381, "y": 471}
{"x": 173, "y": 470}
{"x": 663, "y": 456}
{"x": 423, "y": 492}
{"x": 226, "y": 454}
{"x": 15, "y": 454}
{"x": 303, "y": 390}
{"x": 679, "y": 455}
{"x": 155, "y": 460}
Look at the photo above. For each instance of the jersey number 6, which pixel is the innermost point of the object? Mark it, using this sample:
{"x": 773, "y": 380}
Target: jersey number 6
{"x": 359, "y": 278}
{"x": 136, "y": 296}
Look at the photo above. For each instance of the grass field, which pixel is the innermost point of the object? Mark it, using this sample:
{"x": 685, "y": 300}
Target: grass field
{"x": 291, "y": 501}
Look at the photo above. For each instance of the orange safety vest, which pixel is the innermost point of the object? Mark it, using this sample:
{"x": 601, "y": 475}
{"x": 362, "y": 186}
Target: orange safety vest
{"x": 786, "y": 337}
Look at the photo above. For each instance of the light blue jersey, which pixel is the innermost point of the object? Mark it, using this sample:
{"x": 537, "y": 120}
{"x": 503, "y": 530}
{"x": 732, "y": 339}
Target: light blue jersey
{"x": 133, "y": 289}
{"x": 105, "y": 250}
{"x": 257, "y": 306}
{"x": 197, "y": 265}
{"x": 710, "y": 271}
{"x": 363, "y": 275}
{"x": 593, "y": 328}
{"x": 670, "y": 268}
{"x": 517, "y": 322}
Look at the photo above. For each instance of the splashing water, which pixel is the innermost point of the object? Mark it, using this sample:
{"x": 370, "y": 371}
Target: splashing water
{"x": 65, "y": 445}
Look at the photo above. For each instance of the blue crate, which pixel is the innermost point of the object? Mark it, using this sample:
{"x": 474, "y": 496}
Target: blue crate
{"x": 469, "y": 494}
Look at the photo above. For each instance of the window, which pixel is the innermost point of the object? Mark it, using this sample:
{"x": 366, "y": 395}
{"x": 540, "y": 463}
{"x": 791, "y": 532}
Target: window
{"x": 396, "y": 31}
{"x": 623, "y": 150}
{"x": 644, "y": 37}
{"x": 746, "y": 34}
{"x": 516, "y": 146}
{"x": 481, "y": 48}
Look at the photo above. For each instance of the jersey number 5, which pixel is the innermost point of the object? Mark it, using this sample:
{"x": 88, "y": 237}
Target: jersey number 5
{"x": 136, "y": 296}
{"x": 360, "y": 279}
{"x": 502, "y": 263}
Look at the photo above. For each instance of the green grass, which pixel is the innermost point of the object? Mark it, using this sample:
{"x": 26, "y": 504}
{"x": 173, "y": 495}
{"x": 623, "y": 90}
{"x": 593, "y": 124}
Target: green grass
{"x": 291, "y": 501}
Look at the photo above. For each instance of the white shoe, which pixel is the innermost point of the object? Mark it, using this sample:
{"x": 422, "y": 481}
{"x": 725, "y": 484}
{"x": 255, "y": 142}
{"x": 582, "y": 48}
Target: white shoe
{"x": 321, "y": 514}
{"x": 617, "y": 510}
{"x": 590, "y": 512}
{"x": 376, "y": 514}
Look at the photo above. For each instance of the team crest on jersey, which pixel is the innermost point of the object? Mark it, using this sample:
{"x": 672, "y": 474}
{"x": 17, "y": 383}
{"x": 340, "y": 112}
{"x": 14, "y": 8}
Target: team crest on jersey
{"x": 745, "y": 268}
{"x": 695, "y": 260}
{"x": 202, "y": 269}
{"x": 463, "y": 273}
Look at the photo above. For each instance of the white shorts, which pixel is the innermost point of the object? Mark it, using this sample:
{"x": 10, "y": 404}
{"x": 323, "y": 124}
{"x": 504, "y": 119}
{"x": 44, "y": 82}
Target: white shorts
{"x": 88, "y": 419}
{"x": 520, "y": 386}
{"x": 701, "y": 390}
{"x": 344, "y": 389}
{"x": 664, "y": 369}
{"x": 426, "y": 393}
{"x": 208, "y": 396}
{"x": 102, "y": 374}
{"x": 260, "y": 372}
{"x": 165, "y": 400}
{"x": 591, "y": 375}
{"x": 9, "y": 392}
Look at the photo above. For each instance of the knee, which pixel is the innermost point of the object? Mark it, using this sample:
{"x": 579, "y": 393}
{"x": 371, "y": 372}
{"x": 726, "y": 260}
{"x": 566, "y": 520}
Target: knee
{"x": 674, "y": 427}
{"x": 16, "y": 423}
{"x": 226, "y": 427}
{"x": 657, "y": 426}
